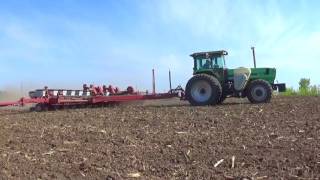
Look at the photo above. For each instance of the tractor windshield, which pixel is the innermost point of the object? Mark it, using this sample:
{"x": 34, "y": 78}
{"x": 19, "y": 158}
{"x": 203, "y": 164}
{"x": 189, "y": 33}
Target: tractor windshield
{"x": 209, "y": 63}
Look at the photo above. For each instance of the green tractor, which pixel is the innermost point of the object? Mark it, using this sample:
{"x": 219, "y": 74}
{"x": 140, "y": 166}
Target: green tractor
{"x": 212, "y": 82}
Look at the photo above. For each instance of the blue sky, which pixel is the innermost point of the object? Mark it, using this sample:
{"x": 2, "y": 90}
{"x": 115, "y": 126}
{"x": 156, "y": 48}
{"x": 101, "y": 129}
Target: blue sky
{"x": 65, "y": 43}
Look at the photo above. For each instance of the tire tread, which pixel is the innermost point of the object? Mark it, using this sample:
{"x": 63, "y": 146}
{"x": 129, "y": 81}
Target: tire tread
{"x": 215, "y": 84}
{"x": 265, "y": 84}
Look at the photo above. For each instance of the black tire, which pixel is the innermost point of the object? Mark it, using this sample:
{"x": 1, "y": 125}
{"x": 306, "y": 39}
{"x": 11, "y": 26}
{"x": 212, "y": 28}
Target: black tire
{"x": 202, "y": 90}
{"x": 38, "y": 108}
{"x": 222, "y": 98}
{"x": 41, "y": 107}
{"x": 259, "y": 91}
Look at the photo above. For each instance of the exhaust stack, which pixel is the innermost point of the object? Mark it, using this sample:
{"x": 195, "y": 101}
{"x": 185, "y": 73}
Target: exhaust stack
{"x": 254, "y": 57}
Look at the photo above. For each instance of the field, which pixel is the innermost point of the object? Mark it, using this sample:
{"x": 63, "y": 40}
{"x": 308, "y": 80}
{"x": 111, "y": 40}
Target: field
{"x": 165, "y": 140}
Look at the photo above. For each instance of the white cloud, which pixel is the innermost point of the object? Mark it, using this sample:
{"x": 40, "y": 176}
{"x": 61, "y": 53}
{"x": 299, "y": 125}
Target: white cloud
{"x": 282, "y": 41}
{"x": 20, "y": 42}
{"x": 204, "y": 19}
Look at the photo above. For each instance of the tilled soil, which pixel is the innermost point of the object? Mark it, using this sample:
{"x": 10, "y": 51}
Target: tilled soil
{"x": 267, "y": 141}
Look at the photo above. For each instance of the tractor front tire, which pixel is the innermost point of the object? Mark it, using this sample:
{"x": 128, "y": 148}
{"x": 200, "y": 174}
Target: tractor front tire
{"x": 259, "y": 91}
{"x": 203, "y": 89}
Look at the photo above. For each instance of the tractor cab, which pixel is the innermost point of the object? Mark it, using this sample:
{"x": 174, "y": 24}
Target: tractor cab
{"x": 212, "y": 62}
{"x": 209, "y": 60}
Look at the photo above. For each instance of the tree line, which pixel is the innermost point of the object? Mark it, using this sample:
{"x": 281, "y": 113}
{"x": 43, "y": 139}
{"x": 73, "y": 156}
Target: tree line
{"x": 305, "y": 89}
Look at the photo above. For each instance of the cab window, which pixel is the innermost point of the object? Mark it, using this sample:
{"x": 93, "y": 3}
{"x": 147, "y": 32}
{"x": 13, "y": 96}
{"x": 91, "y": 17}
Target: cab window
{"x": 218, "y": 62}
{"x": 209, "y": 63}
{"x": 203, "y": 63}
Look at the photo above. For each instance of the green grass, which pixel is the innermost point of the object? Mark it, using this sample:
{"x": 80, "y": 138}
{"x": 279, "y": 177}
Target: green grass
{"x": 312, "y": 91}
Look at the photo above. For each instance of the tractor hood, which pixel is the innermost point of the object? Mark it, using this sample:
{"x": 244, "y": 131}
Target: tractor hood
{"x": 268, "y": 74}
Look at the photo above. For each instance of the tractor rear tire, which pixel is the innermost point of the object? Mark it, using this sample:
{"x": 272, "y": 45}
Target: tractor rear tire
{"x": 202, "y": 90}
{"x": 222, "y": 98}
{"x": 259, "y": 91}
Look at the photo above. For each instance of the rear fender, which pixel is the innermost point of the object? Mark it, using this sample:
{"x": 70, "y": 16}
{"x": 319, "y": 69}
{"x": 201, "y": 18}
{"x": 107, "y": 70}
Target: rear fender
{"x": 211, "y": 73}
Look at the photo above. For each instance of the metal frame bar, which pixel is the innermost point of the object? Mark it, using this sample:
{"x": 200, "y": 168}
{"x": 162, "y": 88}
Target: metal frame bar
{"x": 62, "y": 100}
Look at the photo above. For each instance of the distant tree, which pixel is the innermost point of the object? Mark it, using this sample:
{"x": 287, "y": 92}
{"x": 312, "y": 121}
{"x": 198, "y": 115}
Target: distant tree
{"x": 305, "y": 89}
{"x": 304, "y": 84}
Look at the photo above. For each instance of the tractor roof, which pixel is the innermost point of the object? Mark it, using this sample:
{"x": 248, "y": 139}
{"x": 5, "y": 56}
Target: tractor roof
{"x": 209, "y": 53}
